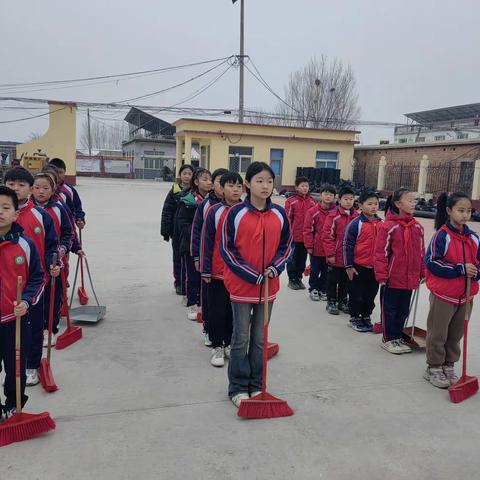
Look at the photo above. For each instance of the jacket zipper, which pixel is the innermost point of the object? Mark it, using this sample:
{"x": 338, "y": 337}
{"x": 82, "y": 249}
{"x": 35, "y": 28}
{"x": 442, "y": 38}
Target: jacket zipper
{"x": 464, "y": 263}
{"x": 263, "y": 259}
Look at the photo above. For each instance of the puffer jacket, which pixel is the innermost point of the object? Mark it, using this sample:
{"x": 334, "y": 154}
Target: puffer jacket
{"x": 187, "y": 207}
{"x": 296, "y": 208}
{"x": 313, "y": 228}
{"x": 168, "y": 212}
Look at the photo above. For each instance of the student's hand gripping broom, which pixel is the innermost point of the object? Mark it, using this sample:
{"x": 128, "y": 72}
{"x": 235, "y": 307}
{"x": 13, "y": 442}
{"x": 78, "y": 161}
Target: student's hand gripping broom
{"x": 264, "y": 405}
{"x": 45, "y": 370}
{"x": 466, "y": 385}
{"x": 82, "y": 293}
{"x": 22, "y": 426}
{"x": 72, "y": 333}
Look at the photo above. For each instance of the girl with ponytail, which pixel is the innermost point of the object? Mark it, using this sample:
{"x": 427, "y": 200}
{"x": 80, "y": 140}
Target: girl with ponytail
{"x": 452, "y": 256}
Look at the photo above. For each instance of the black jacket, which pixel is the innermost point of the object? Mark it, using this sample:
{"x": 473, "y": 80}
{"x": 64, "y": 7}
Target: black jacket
{"x": 187, "y": 207}
{"x": 169, "y": 211}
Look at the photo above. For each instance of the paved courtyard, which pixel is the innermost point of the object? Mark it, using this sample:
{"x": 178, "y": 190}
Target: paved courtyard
{"x": 138, "y": 398}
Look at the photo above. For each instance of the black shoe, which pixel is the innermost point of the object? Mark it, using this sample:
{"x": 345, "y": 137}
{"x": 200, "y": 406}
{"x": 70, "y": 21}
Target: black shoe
{"x": 357, "y": 324}
{"x": 332, "y": 307}
{"x": 301, "y": 286}
{"x": 293, "y": 285}
{"x": 368, "y": 323}
{"x": 343, "y": 307}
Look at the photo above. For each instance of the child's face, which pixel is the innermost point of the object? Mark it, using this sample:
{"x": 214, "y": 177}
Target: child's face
{"x": 461, "y": 212}
{"x": 204, "y": 183}
{"x": 303, "y": 188}
{"x": 261, "y": 185}
{"x": 232, "y": 192}
{"x": 406, "y": 204}
{"x": 346, "y": 201}
{"x": 8, "y": 214}
{"x": 327, "y": 197}
{"x": 217, "y": 188}
{"x": 186, "y": 176}
{"x": 42, "y": 190}
{"x": 21, "y": 188}
{"x": 61, "y": 175}
{"x": 370, "y": 206}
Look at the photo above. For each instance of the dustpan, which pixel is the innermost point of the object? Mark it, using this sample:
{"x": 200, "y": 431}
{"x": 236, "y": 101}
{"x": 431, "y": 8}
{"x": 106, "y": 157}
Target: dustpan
{"x": 415, "y": 337}
{"x": 86, "y": 313}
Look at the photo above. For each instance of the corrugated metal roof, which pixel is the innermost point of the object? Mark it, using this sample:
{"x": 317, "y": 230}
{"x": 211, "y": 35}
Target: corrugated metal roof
{"x": 446, "y": 114}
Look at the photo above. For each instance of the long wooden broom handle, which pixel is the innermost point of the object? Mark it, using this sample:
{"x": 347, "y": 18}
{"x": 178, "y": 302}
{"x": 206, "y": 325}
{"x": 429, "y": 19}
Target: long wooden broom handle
{"x": 265, "y": 335}
{"x": 50, "y": 310}
{"x": 465, "y": 326}
{"x": 18, "y": 323}
{"x": 81, "y": 260}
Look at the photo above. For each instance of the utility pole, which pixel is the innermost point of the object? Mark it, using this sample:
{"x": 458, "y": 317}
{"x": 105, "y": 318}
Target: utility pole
{"x": 89, "y": 134}
{"x": 241, "y": 60}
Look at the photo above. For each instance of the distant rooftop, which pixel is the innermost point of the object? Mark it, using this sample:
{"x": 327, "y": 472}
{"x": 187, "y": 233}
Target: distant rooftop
{"x": 141, "y": 120}
{"x": 446, "y": 114}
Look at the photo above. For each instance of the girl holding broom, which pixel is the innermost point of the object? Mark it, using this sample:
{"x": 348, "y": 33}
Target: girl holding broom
{"x": 256, "y": 241}
{"x": 452, "y": 256}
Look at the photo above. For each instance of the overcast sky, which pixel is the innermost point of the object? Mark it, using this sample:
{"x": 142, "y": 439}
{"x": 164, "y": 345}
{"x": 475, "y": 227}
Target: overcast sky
{"x": 407, "y": 55}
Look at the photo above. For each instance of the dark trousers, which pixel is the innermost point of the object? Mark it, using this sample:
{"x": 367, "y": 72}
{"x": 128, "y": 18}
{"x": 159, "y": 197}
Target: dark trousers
{"x": 177, "y": 266}
{"x": 395, "y": 309}
{"x": 296, "y": 266}
{"x": 7, "y": 354}
{"x": 183, "y": 275}
{"x": 362, "y": 291}
{"x": 204, "y": 292}
{"x": 192, "y": 281}
{"x": 36, "y": 334}
{"x": 337, "y": 284}
{"x": 220, "y": 311}
{"x": 318, "y": 274}
{"x": 57, "y": 305}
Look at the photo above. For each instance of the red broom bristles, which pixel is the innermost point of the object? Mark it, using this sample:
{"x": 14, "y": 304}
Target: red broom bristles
{"x": 69, "y": 336}
{"x": 272, "y": 349}
{"x": 464, "y": 388}
{"x": 46, "y": 376}
{"x": 23, "y": 426}
{"x": 264, "y": 405}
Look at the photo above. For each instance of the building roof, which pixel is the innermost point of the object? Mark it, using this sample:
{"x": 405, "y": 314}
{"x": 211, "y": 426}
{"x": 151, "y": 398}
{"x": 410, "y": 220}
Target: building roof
{"x": 143, "y": 120}
{"x": 446, "y": 114}
{"x": 393, "y": 146}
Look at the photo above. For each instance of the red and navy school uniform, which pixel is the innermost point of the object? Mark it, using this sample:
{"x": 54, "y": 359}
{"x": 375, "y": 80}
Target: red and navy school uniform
{"x": 252, "y": 242}
{"x": 212, "y": 267}
{"x": 72, "y": 199}
{"x": 18, "y": 258}
{"x": 398, "y": 264}
{"x": 296, "y": 208}
{"x": 358, "y": 252}
{"x": 312, "y": 239}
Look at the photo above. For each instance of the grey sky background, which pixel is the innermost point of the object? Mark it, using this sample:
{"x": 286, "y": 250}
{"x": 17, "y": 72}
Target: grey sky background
{"x": 407, "y": 55}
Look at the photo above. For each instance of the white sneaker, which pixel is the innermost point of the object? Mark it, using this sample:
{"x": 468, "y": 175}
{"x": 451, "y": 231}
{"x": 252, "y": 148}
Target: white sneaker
{"x": 436, "y": 377}
{"x": 192, "y": 312}
{"x": 32, "y": 377}
{"x": 449, "y": 371}
{"x": 206, "y": 340}
{"x": 45, "y": 339}
{"x": 254, "y": 394}
{"x": 393, "y": 346}
{"x": 237, "y": 399}
{"x": 314, "y": 295}
{"x": 218, "y": 357}
{"x": 227, "y": 351}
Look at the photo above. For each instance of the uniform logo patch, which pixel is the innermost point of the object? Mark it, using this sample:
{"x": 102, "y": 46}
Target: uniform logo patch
{"x": 19, "y": 260}
{"x": 37, "y": 230}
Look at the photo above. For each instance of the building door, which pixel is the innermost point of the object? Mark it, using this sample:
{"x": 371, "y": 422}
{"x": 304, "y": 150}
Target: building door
{"x": 276, "y": 162}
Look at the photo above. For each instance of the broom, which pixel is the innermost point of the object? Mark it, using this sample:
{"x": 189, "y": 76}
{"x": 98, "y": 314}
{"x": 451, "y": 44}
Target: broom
{"x": 272, "y": 349}
{"x": 465, "y": 386}
{"x": 22, "y": 426}
{"x": 264, "y": 405}
{"x": 82, "y": 293}
{"x": 71, "y": 334}
{"x": 45, "y": 371}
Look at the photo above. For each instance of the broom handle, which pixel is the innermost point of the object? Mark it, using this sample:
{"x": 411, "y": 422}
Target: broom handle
{"x": 417, "y": 294}
{"x": 74, "y": 283}
{"x": 465, "y": 327}
{"x": 265, "y": 335}
{"x": 18, "y": 323}
{"x": 65, "y": 299}
{"x": 50, "y": 310}
{"x": 81, "y": 262}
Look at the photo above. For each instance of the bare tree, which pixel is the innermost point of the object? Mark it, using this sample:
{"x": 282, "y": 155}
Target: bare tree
{"x": 103, "y": 136}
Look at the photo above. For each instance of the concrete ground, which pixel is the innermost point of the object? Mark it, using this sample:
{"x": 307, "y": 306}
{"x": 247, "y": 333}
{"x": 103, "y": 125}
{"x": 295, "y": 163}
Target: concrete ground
{"x": 138, "y": 398}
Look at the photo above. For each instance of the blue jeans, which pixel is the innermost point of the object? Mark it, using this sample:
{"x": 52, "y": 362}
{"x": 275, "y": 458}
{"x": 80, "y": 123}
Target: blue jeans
{"x": 245, "y": 368}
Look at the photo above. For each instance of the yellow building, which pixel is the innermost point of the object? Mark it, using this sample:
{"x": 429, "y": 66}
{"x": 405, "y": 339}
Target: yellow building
{"x": 234, "y": 145}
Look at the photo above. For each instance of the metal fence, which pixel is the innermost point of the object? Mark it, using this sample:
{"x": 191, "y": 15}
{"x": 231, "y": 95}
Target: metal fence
{"x": 401, "y": 175}
{"x": 366, "y": 173}
{"x": 457, "y": 177}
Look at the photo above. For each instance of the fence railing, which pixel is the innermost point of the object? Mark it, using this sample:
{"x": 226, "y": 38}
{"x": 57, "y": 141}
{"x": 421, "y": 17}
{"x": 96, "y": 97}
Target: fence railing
{"x": 366, "y": 173}
{"x": 450, "y": 177}
{"x": 401, "y": 175}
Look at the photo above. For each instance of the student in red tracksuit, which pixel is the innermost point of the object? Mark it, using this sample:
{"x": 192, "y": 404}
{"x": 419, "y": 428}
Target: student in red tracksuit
{"x": 18, "y": 258}
{"x": 256, "y": 241}
{"x": 453, "y": 255}
{"x": 358, "y": 254}
{"x": 332, "y": 237}
{"x": 398, "y": 263}
{"x": 297, "y": 207}
{"x": 312, "y": 238}
{"x": 212, "y": 267}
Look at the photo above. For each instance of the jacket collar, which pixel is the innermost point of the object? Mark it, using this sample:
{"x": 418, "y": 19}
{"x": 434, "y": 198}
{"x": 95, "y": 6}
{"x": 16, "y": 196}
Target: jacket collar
{"x": 13, "y": 235}
{"x": 51, "y": 202}
{"x": 249, "y": 205}
{"x": 397, "y": 217}
{"x": 466, "y": 231}
{"x": 364, "y": 218}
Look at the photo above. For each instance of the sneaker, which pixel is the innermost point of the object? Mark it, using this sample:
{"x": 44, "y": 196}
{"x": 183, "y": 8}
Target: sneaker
{"x": 293, "y": 285}
{"x": 323, "y": 296}
{"x": 356, "y": 324}
{"x": 32, "y": 377}
{"x": 227, "y": 351}
{"x": 10, "y": 413}
{"x": 404, "y": 345}
{"x": 45, "y": 339}
{"x": 368, "y": 323}
{"x": 192, "y": 312}
{"x": 206, "y": 340}
{"x": 254, "y": 394}
{"x": 449, "y": 371}
{"x": 332, "y": 308}
{"x": 218, "y": 357}
{"x": 237, "y": 399}
{"x": 301, "y": 285}
{"x": 393, "y": 346}
{"x": 314, "y": 295}
{"x": 436, "y": 377}
{"x": 343, "y": 307}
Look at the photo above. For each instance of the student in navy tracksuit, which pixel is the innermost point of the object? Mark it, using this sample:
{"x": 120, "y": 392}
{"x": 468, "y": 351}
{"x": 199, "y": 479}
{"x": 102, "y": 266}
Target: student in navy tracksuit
{"x": 38, "y": 226}
{"x": 213, "y": 197}
{"x": 358, "y": 253}
{"x": 256, "y": 241}
{"x": 200, "y": 186}
{"x": 18, "y": 258}
{"x": 212, "y": 269}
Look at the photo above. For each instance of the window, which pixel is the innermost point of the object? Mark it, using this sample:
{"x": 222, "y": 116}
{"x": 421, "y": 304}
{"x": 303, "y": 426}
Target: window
{"x": 439, "y": 138}
{"x": 326, "y": 159}
{"x": 420, "y": 139}
{"x": 462, "y": 136}
{"x": 153, "y": 163}
{"x": 239, "y": 158}
{"x": 402, "y": 140}
{"x": 153, "y": 153}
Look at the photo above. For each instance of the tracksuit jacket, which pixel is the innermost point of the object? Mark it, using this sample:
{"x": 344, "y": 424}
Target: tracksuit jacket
{"x": 187, "y": 207}
{"x": 359, "y": 241}
{"x": 399, "y": 252}
{"x": 169, "y": 211}
{"x": 72, "y": 199}
{"x": 18, "y": 258}
{"x": 296, "y": 208}
{"x": 447, "y": 254}
{"x": 253, "y": 241}
{"x": 333, "y": 230}
{"x": 313, "y": 229}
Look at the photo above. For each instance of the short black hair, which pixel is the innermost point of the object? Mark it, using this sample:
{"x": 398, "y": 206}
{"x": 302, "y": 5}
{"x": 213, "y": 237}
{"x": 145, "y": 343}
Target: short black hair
{"x": 345, "y": 191}
{"x": 18, "y": 174}
{"x": 326, "y": 187}
{"x": 8, "y": 192}
{"x": 364, "y": 196}
{"x": 231, "y": 177}
{"x": 57, "y": 162}
{"x": 300, "y": 180}
{"x": 218, "y": 173}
